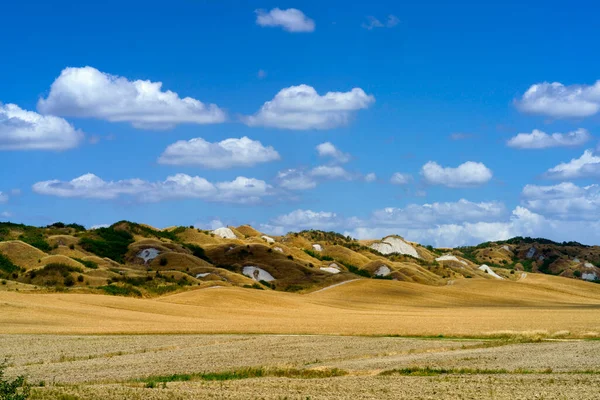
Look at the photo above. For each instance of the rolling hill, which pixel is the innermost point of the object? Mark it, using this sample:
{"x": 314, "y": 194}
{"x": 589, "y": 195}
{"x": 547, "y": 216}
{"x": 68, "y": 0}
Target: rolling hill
{"x": 131, "y": 259}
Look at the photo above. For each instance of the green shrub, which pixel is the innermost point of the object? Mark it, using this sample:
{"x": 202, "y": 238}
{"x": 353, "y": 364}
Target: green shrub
{"x": 108, "y": 242}
{"x": 88, "y": 264}
{"x": 69, "y": 281}
{"x": 36, "y": 239}
{"x": 318, "y": 256}
{"x": 197, "y": 251}
{"x": 577, "y": 274}
{"x": 17, "y": 389}
{"x": 6, "y": 265}
{"x": 163, "y": 261}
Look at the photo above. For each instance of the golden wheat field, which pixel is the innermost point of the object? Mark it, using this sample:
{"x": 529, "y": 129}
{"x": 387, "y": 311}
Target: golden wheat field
{"x": 360, "y": 307}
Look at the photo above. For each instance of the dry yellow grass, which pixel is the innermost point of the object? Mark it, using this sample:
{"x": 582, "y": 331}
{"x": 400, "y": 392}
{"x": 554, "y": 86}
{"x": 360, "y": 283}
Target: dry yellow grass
{"x": 467, "y": 308}
{"x": 247, "y": 230}
{"x": 22, "y": 254}
{"x": 60, "y": 259}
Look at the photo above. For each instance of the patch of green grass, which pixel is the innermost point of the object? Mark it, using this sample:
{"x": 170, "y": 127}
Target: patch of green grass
{"x": 6, "y": 265}
{"x": 246, "y": 373}
{"x": 108, "y": 242}
{"x": 429, "y": 371}
{"x": 197, "y": 251}
{"x": 88, "y": 264}
{"x": 318, "y": 256}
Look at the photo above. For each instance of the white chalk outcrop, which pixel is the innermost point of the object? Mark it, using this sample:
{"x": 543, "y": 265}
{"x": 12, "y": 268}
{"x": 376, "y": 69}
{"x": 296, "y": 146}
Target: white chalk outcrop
{"x": 333, "y": 268}
{"x": 268, "y": 239}
{"x": 449, "y": 257}
{"x": 392, "y": 244}
{"x": 317, "y": 247}
{"x": 258, "y": 274}
{"x": 279, "y": 249}
{"x": 588, "y": 265}
{"x": 148, "y": 254}
{"x": 225, "y": 233}
{"x": 384, "y": 270}
{"x": 202, "y": 275}
{"x": 589, "y": 276}
{"x": 487, "y": 269}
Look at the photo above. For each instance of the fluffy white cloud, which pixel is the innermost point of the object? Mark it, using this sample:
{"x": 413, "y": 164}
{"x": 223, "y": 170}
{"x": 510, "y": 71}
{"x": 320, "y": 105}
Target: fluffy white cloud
{"x": 228, "y": 153}
{"x": 28, "y": 130}
{"x": 560, "y": 101}
{"x": 327, "y": 149}
{"x": 565, "y": 200}
{"x": 426, "y": 215}
{"x": 87, "y": 92}
{"x": 588, "y": 165}
{"x": 400, "y": 179}
{"x": 331, "y": 172}
{"x": 373, "y": 22}
{"x": 541, "y": 140}
{"x": 522, "y": 222}
{"x": 300, "y": 219}
{"x": 301, "y": 107}
{"x": 179, "y": 186}
{"x": 371, "y": 177}
{"x": 291, "y": 20}
{"x": 465, "y": 175}
{"x": 295, "y": 179}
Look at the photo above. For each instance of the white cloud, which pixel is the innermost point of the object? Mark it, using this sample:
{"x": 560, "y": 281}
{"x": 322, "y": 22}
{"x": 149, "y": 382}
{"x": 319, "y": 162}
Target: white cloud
{"x": 371, "y": 177}
{"x": 327, "y": 149}
{"x": 98, "y": 226}
{"x": 400, "y": 179}
{"x": 301, "y": 107}
{"x": 541, "y": 140}
{"x": 3, "y": 197}
{"x": 560, "y": 101}
{"x": 179, "y": 186}
{"x": 291, "y": 20}
{"x": 426, "y": 215}
{"x": 228, "y": 153}
{"x": 6, "y": 214}
{"x": 28, "y": 130}
{"x": 87, "y": 92}
{"x": 300, "y": 219}
{"x": 447, "y": 224}
{"x": 467, "y": 174}
{"x": 295, "y": 179}
{"x": 373, "y": 22}
{"x": 565, "y": 200}
{"x": 588, "y": 165}
{"x": 331, "y": 172}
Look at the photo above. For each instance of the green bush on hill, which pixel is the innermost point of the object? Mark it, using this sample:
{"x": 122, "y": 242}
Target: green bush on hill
{"x": 197, "y": 251}
{"x": 108, "y": 242}
{"x": 6, "y": 265}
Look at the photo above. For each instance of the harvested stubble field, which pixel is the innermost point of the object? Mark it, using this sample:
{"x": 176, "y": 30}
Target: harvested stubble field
{"x": 531, "y": 339}
{"x": 301, "y": 367}
{"x": 361, "y": 307}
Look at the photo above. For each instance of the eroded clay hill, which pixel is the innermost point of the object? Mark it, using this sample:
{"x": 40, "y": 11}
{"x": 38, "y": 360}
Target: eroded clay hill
{"x": 138, "y": 260}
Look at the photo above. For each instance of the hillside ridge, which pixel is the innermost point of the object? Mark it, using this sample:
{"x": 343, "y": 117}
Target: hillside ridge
{"x": 138, "y": 260}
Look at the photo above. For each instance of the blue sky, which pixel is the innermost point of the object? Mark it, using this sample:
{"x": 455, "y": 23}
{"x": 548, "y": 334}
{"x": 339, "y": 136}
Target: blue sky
{"x": 434, "y": 91}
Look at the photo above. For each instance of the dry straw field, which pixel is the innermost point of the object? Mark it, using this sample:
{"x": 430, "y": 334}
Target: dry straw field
{"x": 536, "y": 338}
